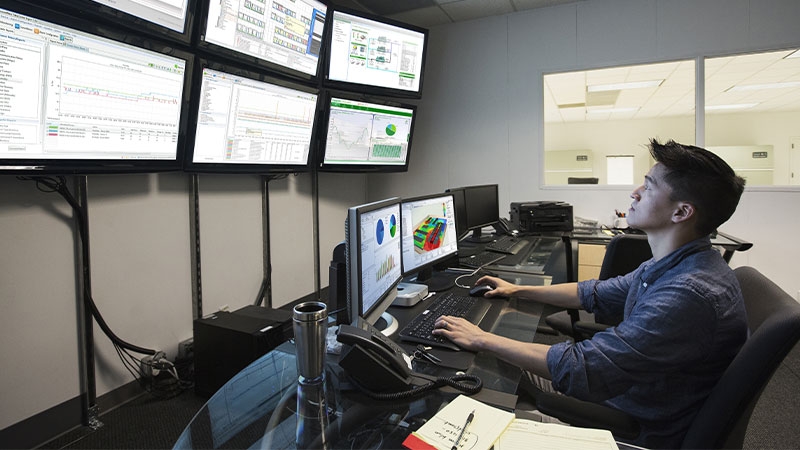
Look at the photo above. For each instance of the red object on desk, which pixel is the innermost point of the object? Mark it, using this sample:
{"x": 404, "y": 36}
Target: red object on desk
{"x": 413, "y": 442}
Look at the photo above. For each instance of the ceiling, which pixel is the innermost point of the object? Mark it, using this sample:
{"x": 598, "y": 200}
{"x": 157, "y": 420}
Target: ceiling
{"x": 429, "y": 13}
{"x": 568, "y": 97}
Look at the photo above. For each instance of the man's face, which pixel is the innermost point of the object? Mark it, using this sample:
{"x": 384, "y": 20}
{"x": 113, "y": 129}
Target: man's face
{"x": 652, "y": 208}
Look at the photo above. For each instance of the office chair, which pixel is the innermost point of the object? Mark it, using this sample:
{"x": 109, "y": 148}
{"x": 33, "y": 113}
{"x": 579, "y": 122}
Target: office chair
{"x": 773, "y": 318}
{"x": 624, "y": 253}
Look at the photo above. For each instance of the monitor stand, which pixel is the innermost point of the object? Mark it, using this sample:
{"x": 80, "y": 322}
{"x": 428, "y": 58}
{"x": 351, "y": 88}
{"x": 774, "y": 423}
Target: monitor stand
{"x": 386, "y": 324}
{"x": 436, "y": 281}
{"x": 478, "y": 237}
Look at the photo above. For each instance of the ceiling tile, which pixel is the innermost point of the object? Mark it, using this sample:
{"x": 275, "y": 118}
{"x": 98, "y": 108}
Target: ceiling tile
{"x": 425, "y": 17}
{"x": 475, "y": 9}
{"x": 389, "y": 7}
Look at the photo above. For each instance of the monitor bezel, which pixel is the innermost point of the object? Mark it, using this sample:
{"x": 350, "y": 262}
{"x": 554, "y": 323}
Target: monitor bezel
{"x": 250, "y": 168}
{"x": 85, "y": 166}
{"x": 319, "y": 162}
{"x": 368, "y": 88}
{"x": 410, "y": 271}
{"x": 91, "y": 10}
{"x": 470, "y": 224}
{"x": 355, "y": 299}
{"x": 211, "y": 50}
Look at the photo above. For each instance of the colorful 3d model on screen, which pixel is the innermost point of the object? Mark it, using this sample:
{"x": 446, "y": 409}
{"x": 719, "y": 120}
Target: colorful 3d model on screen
{"x": 429, "y": 234}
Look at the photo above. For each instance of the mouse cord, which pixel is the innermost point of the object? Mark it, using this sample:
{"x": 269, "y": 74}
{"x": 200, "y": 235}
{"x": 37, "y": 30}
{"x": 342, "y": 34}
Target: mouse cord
{"x": 468, "y": 275}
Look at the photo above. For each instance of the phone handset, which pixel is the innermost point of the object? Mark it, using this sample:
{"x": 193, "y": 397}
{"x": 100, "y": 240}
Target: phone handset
{"x": 504, "y": 226}
{"x": 372, "y": 360}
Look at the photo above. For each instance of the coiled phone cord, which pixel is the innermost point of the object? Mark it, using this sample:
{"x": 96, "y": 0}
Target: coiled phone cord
{"x": 468, "y": 384}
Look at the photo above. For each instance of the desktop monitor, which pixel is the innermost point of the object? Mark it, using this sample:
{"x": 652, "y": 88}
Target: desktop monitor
{"x": 480, "y": 207}
{"x": 171, "y": 19}
{"x": 365, "y": 136}
{"x": 373, "y": 260}
{"x": 246, "y": 122}
{"x": 428, "y": 230}
{"x": 74, "y": 102}
{"x": 375, "y": 55}
{"x": 280, "y": 35}
{"x": 460, "y": 207}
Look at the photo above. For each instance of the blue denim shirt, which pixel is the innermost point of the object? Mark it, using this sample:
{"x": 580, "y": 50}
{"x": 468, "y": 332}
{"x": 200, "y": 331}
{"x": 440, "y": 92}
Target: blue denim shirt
{"x": 683, "y": 323}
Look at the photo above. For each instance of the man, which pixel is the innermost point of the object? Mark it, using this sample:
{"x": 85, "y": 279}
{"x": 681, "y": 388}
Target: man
{"x": 683, "y": 313}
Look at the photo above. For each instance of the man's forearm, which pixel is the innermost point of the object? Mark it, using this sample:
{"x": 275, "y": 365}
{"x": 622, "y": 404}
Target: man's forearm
{"x": 564, "y": 295}
{"x": 528, "y": 356}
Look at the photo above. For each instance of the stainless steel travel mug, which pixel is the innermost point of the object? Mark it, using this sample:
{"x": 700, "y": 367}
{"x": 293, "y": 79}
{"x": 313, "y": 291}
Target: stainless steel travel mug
{"x": 310, "y": 324}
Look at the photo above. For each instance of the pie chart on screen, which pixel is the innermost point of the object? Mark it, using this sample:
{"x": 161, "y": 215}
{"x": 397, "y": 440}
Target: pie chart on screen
{"x": 391, "y": 129}
{"x": 379, "y": 232}
{"x": 392, "y": 226}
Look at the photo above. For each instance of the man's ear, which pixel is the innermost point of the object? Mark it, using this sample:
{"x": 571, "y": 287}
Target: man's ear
{"x": 683, "y": 212}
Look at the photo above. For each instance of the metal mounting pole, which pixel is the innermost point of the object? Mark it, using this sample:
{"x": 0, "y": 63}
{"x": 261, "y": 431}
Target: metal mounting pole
{"x": 89, "y": 409}
{"x": 194, "y": 231}
{"x": 265, "y": 293}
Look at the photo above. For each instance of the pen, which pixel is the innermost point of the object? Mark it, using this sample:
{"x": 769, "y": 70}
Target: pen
{"x": 463, "y": 429}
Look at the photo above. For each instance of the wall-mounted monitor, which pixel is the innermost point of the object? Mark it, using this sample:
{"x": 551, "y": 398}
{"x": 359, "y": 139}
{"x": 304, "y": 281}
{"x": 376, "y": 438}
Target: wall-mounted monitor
{"x": 375, "y": 55}
{"x": 280, "y": 35}
{"x": 172, "y": 19}
{"x": 365, "y": 135}
{"x": 74, "y": 102}
{"x": 373, "y": 259}
{"x": 244, "y": 121}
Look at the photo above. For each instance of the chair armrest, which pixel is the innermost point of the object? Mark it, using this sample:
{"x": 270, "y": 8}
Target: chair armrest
{"x": 587, "y": 415}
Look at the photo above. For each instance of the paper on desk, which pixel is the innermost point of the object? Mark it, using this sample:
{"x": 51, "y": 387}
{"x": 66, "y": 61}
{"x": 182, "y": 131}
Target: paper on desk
{"x": 525, "y": 434}
{"x": 442, "y": 430}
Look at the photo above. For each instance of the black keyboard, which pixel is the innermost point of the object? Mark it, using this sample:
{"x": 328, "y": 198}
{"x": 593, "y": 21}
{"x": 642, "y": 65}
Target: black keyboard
{"x": 420, "y": 329}
{"x": 480, "y": 259}
{"x": 507, "y": 244}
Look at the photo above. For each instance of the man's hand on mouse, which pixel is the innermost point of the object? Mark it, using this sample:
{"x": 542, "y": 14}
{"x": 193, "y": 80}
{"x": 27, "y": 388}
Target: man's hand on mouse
{"x": 500, "y": 288}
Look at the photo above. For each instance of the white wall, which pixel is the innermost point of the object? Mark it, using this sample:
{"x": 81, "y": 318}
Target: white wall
{"x": 38, "y": 327}
{"x": 141, "y": 270}
{"x": 482, "y": 104}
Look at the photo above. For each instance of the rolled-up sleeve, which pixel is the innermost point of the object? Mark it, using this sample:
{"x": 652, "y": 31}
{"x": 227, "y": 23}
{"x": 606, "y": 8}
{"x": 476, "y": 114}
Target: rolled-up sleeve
{"x": 606, "y": 297}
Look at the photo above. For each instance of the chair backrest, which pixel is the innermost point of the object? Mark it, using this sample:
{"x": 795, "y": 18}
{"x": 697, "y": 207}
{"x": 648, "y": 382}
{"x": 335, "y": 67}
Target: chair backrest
{"x": 624, "y": 253}
{"x": 773, "y": 318}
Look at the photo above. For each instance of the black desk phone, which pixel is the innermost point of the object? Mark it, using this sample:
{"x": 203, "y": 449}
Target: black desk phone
{"x": 373, "y": 360}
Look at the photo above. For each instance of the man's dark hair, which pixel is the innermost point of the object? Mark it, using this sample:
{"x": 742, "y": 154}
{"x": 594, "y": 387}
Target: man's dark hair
{"x": 701, "y": 178}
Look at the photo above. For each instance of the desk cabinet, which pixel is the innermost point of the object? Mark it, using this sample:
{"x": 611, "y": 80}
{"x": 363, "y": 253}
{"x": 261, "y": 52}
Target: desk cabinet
{"x": 590, "y": 258}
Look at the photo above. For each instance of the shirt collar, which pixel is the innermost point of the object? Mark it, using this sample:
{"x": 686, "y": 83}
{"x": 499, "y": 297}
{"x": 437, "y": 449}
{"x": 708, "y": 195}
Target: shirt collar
{"x": 653, "y": 270}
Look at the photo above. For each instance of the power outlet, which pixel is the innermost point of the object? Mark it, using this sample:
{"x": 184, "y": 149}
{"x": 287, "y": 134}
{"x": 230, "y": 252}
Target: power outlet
{"x": 147, "y": 367}
{"x": 151, "y": 365}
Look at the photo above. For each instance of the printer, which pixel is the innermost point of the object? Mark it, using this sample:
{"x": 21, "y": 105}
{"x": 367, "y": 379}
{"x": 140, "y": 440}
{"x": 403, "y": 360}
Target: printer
{"x": 541, "y": 216}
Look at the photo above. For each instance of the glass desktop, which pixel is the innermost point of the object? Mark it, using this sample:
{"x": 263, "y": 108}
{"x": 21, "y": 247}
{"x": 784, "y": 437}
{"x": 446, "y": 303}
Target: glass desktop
{"x": 258, "y": 407}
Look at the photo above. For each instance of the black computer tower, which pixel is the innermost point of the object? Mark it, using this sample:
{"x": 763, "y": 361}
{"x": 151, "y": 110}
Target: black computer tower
{"x": 227, "y": 342}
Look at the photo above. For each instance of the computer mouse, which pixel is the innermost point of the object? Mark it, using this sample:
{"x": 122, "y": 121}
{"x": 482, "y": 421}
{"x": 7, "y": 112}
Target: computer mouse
{"x": 479, "y": 290}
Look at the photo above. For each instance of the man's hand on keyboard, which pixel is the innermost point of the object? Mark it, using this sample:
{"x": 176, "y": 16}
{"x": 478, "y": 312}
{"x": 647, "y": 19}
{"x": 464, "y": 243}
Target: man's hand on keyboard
{"x": 461, "y": 331}
{"x": 500, "y": 288}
